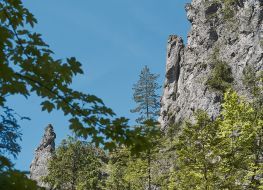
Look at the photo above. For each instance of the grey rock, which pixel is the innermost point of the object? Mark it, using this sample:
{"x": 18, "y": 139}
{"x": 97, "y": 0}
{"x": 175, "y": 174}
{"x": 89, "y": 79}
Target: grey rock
{"x": 188, "y": 67}
{"x": 39, "y": 165}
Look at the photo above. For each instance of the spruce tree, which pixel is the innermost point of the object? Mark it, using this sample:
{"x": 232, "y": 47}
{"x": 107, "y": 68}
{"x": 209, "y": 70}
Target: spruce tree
{"x": 148, "y": 105}
{"x": 146, "y": 97}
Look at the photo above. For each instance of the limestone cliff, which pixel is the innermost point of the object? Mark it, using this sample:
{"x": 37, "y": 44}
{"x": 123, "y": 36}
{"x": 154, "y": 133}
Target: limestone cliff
{"x": 227, "y": 30}
{"x": 43, "y": 153}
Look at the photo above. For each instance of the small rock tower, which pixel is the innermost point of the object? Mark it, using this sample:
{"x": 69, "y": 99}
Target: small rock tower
{"x": 43, "y": 153}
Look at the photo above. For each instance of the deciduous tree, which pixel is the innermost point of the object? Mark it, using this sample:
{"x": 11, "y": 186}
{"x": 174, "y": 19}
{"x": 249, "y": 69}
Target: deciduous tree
{"x": 28, "y": 67}
{"x": 76, "y": 165}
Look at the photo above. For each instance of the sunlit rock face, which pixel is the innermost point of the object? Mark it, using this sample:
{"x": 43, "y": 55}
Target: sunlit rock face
{"x": 43, "y": 153}
{"x": 233, "y": 33}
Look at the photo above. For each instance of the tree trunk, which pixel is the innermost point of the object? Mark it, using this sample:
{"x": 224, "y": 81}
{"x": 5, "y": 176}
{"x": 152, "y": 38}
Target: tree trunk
{"x": 149, "y": 169}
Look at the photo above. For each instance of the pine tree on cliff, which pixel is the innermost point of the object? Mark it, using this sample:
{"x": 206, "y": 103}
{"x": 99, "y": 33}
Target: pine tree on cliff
{"x": 146, "y": 97}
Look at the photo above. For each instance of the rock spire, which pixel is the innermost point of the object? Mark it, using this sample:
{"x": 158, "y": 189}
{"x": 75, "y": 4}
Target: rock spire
{"x": 43, "y": 153}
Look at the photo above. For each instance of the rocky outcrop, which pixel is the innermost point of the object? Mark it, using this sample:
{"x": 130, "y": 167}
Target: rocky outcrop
{"x": 43, "y": 153}
{"x": 175, "y": 52}
{"x": 227, "y": 30}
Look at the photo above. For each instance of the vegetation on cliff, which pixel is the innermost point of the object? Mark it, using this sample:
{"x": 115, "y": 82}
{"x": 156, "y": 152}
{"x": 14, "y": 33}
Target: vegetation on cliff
{"x": 223, "y": 152}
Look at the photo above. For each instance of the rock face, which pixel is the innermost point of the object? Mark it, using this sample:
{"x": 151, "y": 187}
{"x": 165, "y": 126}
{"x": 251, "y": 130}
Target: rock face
{"x": 231, "y": 31}
{"x": 43, "y": 153}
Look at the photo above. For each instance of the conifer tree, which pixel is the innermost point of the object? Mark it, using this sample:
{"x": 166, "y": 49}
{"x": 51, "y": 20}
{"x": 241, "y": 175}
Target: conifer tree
{"x": 146, "y": 97}
{"x": 28, "y": 67}
{"x": 148, "y": 105}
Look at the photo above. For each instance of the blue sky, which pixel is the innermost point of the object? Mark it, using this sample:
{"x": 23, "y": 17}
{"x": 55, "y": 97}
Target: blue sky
{"x": 113, "y": 40}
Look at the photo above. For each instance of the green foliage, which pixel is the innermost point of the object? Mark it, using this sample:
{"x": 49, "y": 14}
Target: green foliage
{"x": 130, "y": 169}
{"x": 116, "y": 169}
{"x": 219, "y": 154}
{"x": 220, "y": 78}
{"x": 16, "y": 180}
{"x": 173, "y": 130}
{"x": 162, "y": 166}
{"x": 11, "y": 179}
{"x": 137, "y": 173}
{"x": 145, "y": 96}
{"x": 76, "y": 165}
{"x": 148, "y": 108}
{"x": 197, "y": 160}
{"x": 28, "y": 67}
{"x": 225, "y": 9}
{"x": 151, "y": 132}
{"x": 228, "y": 10}
{"x": 241, "y": 147}
{"x": 9, "y": 133}
{"x": 126, "y": 171}
{"x": 130, "y": 172}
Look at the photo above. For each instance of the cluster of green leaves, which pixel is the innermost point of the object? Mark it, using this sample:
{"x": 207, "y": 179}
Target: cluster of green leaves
{"x": 241, "y": 131}
{"x": 76, "y": 165}
{"x": 9, "y": 136}
{"x": 225, "y": 153}
{"x": 13, "y": 179}
{"x": 16, "y": 180}
{"x": 221, "y": 77}
{"x": 9, "y": 133}
{"x": 195, "y": 155}
{"x": 128, "y": 171}
{"x": 116, "y": 169}
{"x": 228, "y": 10}
{"x": 27, "y": 67}
{"x": 220, "y": 154}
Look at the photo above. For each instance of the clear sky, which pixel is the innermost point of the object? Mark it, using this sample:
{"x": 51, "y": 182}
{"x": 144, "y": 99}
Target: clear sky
{"x": 113, "y": 39}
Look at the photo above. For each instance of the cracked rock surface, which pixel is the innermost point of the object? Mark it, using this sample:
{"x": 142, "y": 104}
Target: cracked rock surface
{"x": 234, "y": 32}
{"x": 39, "y": 165}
